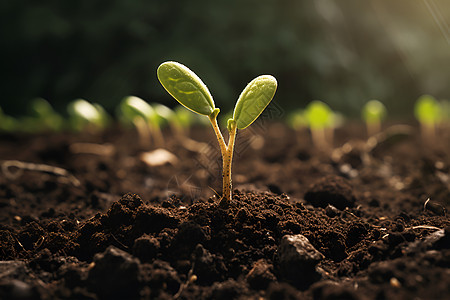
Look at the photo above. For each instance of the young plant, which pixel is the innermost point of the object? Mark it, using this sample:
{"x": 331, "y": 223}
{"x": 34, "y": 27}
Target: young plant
{"x": 297, "y": 119}
{"x": 7, "y": 123}
{"x": 144, "y": 117}
{"x": 373, "y": 113}
{"x": 169, "y": 117}
{"x": 45, "y": 116}
{"x": 320, "y": 119}
{"x": 86, "y": 115}
{"x": 427, "y": 111}
{"x": 190, "y": 91}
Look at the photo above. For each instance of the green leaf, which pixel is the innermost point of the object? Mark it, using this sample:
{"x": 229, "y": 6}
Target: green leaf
{"x": 82, "y": 112}
{"x": 319, "y": 115}
{"x": 373, "y": 111}
{"x": 427, "y": 110}
{"x": 186, "y": 87}
{"x": 132, "y": 107}
{"x": 253, "y": 100}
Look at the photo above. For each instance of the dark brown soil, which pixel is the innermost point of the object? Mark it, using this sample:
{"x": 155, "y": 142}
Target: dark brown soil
{"x": 352, "y": 222}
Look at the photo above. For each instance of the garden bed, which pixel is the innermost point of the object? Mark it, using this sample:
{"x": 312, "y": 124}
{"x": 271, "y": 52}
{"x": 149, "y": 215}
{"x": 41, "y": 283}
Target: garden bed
{"x": 110, "y": 226}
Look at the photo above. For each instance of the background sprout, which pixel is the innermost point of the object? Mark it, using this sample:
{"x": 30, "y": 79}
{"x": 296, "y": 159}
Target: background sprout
{"x": 7, "y": 123}
{"x": 428, "y": 112}
{"x": 190, "y": 91}
{"x": 373, "y": 113}
{"x": 86, "y": 115}
{"x": 320, "y": 118}
{"x": 45, "y": 116}
{"x": 184, "y": 118}
{"x": 297, "y": 119}
{"x": 167, "y": 116}
{"x": 142, "y": 115}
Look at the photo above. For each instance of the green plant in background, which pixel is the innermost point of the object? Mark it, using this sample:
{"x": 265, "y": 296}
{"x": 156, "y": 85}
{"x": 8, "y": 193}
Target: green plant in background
{"x": 84, "y": 115}
{"x": 189, "y": 90}
{"x": 297, "y": 119}
{"x": 144, "y": 117}
{"x": 184, "y": 117}
{"x": 44, "y": 116}
{"x": 427, "y": 111}
{"x": 7, "y": 123}
{"x": 320, "y": 119}
{"x": 179, "y": 123}
{"x": 373, "y": 113}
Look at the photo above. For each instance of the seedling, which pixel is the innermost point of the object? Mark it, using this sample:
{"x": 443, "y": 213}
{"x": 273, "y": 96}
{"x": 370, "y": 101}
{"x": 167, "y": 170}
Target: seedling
{"x": 428, "y": 112}
{"x": 190, "y": 91}
{"x": 86, "y": 115}
{"x": 45, "y": 116}
{"x": 373, "y": 113}
{"x": 297, "y": 119}
{"x": 144, "y": 118}
{"x": 7, "y": 123}
{"x": 168, "y": 117}
{"x": 320, "y": 118}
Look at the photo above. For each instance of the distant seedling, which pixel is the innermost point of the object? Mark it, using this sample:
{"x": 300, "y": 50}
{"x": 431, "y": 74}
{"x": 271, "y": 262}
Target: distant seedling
{"x": 190, "y": 91}
{"x": 373, "y": 113}
{"x": 427, "y": 111}
{"x": 45, "y": 117}
{"x": 321, "y": 120}
{"x": 169, "y": 117}
{"x": 84, "y": 115}
{"x": 7, "y": 123}
{"x": 144, "y": 117}
{"x": 297, "y": 119}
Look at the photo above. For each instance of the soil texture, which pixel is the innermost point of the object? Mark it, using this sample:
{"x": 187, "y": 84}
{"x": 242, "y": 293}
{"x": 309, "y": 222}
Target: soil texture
{"x": 95, "y": 215}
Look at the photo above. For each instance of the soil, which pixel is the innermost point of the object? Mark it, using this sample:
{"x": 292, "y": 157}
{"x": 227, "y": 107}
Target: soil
{"x": 365, "y": 219}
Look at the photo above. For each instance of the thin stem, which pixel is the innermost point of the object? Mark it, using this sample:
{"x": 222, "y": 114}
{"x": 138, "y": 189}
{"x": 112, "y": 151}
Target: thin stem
{"x": 143, "y": 130}
{"x": 158, "y": 137}
{"x": 318, "y": 137}
{"x": 428, "y": 131}
{"x": 373, "y": 127}
{"x": 227, "y": 162}
{"x": 222, "y": 145}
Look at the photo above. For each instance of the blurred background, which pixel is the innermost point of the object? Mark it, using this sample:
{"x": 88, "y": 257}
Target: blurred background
{"x": 342, "y": 52}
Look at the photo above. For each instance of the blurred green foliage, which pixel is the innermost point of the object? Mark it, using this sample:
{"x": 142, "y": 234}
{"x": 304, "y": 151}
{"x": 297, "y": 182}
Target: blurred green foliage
{"x": 344, "y": 52}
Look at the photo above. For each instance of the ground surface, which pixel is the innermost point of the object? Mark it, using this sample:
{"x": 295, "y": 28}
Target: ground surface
{"x": 113, "y": 227}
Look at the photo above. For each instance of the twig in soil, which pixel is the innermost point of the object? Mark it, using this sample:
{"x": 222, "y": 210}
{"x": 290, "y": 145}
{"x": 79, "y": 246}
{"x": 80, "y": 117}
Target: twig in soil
{"x": 91, "y": 148}
{"x": 350, "y": 213}
{"x": 215, "y": 192}
{"x": 434, "y": 207}
{"x": 423, "y": 227}
{"x": 119, "y": 242}
{"x": 20, "y": 165}
{"x": 191, "y": 278}
{"x": 18, "y": 242}
{"x": 39, "y": 242}
{"x": 425, "y": 204}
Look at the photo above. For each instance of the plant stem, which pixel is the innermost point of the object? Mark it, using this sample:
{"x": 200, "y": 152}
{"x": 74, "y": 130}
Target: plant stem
{"x": 143, "y": 131}
{"x": 318, "y": 138}
{"x": 158, "y": 137}
{"x": 373, "y": 127}
{"x": 428, "y": 131}
{"x": 227, "y": 156}
{"x": 222, "y": 145}
{"x": 226, "y": 172}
